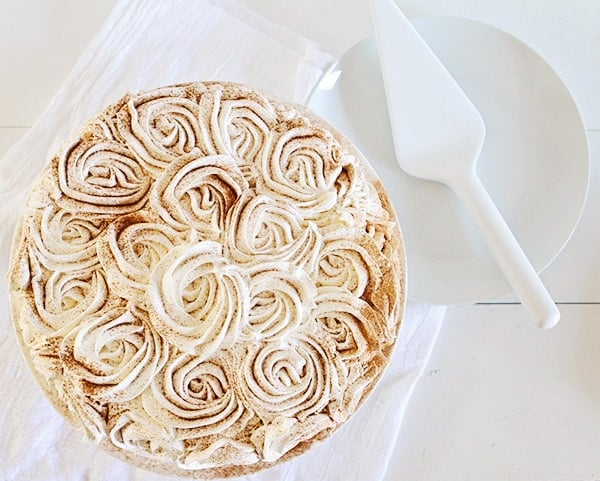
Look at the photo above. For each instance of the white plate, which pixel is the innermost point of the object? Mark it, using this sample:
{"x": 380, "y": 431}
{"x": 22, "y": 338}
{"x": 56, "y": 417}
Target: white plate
{"x": 535, "y": 161}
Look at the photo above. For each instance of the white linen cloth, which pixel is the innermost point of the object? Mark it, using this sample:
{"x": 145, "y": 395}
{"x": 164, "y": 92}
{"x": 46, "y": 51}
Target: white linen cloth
{"x": 146, "y": 44}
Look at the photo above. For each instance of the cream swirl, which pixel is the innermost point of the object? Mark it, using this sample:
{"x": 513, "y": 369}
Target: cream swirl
{"x": 129, "y": 249}
{"x": 194, "y": 397}
{"x": 136, "y": 432}
{"x": 198, "y": 194}
{"x": 281, "y": 296}
{"x": 114, "y": 355}
{"x": 351, "y": 261}
{"x": 198, "y": 301}
{"x": 387, "y": 298}
{"x": 294, "y": 377}
{"x": 302, "y": 167}
{"x": 281, "y": 434}
{"x": 65, "y": 240}
{"x": 240, "y": 125}
{"x": 346, "y": 213}
{"x": 355, "y": 327}
{"x": 101, "y": 177}
{"x": 260, "y": 229}
{"x": 162, "y": 125}
{"x": 101, "y": 128}
{"x": 358, "y": 203}
{"x": 63, "y": 299}
{"x": 90, "y": 414}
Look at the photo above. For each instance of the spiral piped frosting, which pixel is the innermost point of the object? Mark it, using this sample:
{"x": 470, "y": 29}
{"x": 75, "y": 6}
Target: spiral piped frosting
{"x": 207, "y": 280}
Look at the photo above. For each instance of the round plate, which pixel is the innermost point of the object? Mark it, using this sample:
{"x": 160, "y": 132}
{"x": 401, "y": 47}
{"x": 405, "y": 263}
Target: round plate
{"x": 535, "y": 162}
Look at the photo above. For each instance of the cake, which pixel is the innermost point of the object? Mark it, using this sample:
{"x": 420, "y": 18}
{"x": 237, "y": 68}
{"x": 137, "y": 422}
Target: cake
{"x": 208, "y": 280}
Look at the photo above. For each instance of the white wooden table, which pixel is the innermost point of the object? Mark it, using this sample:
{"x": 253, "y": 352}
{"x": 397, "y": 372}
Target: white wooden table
{"x": 501, "y": 400}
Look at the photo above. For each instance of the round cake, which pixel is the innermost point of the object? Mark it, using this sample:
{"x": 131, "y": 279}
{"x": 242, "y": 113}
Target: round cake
{"x": 208, "y": 280}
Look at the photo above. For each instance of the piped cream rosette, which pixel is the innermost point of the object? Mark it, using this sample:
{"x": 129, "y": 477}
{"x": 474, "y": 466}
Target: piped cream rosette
{"x": 207, "y": 280}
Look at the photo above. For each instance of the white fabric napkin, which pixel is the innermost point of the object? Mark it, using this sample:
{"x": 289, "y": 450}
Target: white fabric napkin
{"x": 145, "y": 44}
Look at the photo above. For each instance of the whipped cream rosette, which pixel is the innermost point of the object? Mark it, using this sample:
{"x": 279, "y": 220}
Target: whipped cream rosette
{"x": 208, "y": 280}
{"x": 114, "y": 356}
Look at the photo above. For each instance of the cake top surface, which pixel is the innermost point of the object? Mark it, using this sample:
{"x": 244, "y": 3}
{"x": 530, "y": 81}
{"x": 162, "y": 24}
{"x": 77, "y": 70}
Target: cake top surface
{"x": 207, "y": 280}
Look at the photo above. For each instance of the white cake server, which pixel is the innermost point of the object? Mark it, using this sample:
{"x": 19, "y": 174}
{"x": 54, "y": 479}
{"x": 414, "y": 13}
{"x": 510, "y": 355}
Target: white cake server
{"x": 438, "y": 135}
